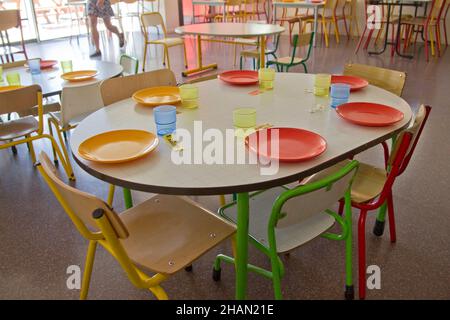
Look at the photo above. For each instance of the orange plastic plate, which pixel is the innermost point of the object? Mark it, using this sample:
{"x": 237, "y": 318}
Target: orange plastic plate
{"x": 156, "y": 96}
{"x": 81, "y": 75}
{"x": 118, "y": 146}
{"x": 355, "y": 83}
{"x": 369, "y": 114}
{"x": 294, "y": 144}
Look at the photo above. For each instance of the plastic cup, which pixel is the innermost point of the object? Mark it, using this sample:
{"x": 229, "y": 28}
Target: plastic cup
{"x": 244, "y": 118}
{"x": 13, "y": 79}
{"x": 66, "y": 66}
{"x": 1, "y": 74}
{"x": 189, "y": 96}
{"x": 340, "y": 93}
{"x": 322, "y": 84}
{"x": 266, "y": 77}
{"x": 34, "y": 65}
{"x": 165, "y": 119}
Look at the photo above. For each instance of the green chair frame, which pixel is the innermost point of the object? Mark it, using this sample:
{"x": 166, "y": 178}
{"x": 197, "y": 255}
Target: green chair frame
{"x": 270, "y": 52}
{"x": 277, "y": 269}
{"x": 299, "y": 41}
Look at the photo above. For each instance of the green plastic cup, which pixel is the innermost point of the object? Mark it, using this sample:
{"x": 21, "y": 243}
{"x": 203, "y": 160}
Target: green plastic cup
{"x": 66, "y": 66}
{"x": 13, "y": 79}
{"x": 189, "y": 96}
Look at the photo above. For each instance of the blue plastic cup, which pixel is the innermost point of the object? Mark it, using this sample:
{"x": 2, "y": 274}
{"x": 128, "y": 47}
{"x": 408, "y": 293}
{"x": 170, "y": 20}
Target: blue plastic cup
{"x": 165, "y": 119}
{"x": 35, "y": 66}
{"x": 340, "y": 93}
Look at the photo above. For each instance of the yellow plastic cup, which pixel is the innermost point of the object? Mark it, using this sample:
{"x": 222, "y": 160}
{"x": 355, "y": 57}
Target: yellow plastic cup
{"x": 189, "y": 96}
{"x": 13, "y": 79}
{"x": 322, "y": 83}
{"x": 266, "y": 77}
{"x": 244, "y": 117}
{"x": 66, "y": 66}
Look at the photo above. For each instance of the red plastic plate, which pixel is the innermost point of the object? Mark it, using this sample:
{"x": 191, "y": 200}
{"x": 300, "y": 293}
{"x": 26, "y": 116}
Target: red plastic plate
{"x": 369, "y": 114}
{"x": 294, "y": 144}
{"x": 45, "y": 64}
{"x": 239, "y": 77}
{"x": 355, "y": 83}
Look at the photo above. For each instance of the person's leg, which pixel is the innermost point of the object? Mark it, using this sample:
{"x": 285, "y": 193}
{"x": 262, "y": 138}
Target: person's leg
{"x": 113, "y": 29}
{"x": 94, "y": 32}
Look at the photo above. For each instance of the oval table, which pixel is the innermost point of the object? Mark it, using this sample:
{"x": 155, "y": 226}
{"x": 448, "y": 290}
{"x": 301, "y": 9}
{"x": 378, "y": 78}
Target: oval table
{"x": 231, "y": 30}
{"x": 50, "y": 79}
{"x": 289, "y": 104}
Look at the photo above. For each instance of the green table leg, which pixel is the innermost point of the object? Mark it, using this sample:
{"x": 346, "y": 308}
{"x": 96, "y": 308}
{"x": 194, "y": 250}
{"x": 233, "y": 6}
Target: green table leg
{"x": 242, "y": 245}
{"x": 127, "y": 198}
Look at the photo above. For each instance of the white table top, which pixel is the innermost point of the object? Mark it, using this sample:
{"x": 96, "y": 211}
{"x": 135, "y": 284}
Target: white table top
{"x": 297, "y": 4}
{"x": 50, "y": 79}
{"x": 230, "y": 29}
{"x": 288, "y": 105}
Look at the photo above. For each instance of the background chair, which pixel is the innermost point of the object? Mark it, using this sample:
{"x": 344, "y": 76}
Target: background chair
{"x": 120, "y": 88}
{"x": 282, "y": 220}
{"x": 26, "y": 129}
{"x": 255, "y": 54}
{"x": 288, "y": 62}
{"x": 163, "y": 234}
{"x": 154, "y": 19}
{"x": 10, "y": 19}
{"x": 76, "y": 104}
{"x": 387, "y": 79}
{"x": 129, "y": 64}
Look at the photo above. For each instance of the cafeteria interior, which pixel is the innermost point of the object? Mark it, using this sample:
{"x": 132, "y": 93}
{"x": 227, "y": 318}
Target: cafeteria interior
{"x": 52, "y": 235}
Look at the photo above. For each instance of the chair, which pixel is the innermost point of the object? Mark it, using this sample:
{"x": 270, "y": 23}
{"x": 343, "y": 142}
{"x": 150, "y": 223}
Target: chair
{"x": 233, "y": 12}
{"x": 129, "y": 64}
{"x": 328, "y": 16}
{"x": 425, "y": 26}
{"x": 283, "y": 219}
{"x": 10, "y": 19}
{"x": 26, "y": 129}
{"x": 390, "y": 80}
{"x": 444, "y": 23}
{"x": 255, "y": 54}
{"x": 120, "y": 88}
{"x": 76, "y": 104}
{"x": 163, "y": 234}
{"x": 292, "y": 20}
{"x": 372, "y": 188}
{"x": 288, "y": 62}
{"x": 351, "y": 16}
{"x": 154, "y": 19}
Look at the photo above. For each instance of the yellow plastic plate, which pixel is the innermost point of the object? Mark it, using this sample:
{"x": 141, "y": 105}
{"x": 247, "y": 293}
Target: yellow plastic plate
{"x": 156, "y": 96}
{"x": 81, "y": 75}
{"x": 9, "y": 88}
{"x": 118, "y": 146}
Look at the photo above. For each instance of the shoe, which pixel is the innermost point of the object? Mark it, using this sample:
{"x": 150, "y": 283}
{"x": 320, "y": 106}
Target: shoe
{"x": 121, "y": 40}
{"x": 97, "y": 53}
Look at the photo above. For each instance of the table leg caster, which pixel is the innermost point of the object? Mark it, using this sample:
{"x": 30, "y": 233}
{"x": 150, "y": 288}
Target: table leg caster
{"x": 349, "y": 293}
{"x": 188, "y": 268}
{"x": 14, "y": 150}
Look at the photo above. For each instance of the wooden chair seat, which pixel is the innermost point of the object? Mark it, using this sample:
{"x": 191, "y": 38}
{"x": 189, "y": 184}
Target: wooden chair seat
{"x": 167, "y": 233}
{"x": 290, "y": 236}
{"x": 418, "y": 21}
{"x": 250, "y": 54}
{"x": 170, "y": 42}
{"x": 18, "y": 128}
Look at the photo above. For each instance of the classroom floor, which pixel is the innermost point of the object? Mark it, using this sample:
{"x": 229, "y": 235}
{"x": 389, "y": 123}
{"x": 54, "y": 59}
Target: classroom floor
{"x": 38, "y": 241}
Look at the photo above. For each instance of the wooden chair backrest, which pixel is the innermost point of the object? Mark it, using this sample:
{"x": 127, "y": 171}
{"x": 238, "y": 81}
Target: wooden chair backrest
{"x": 20, "y": 100}
{"x": 9, "y": 19}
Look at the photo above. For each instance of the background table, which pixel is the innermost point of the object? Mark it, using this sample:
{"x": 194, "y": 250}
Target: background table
{"x": 210, "y": 3}
{"x": 288, "y": 105}
{"x": 232, "y": 30}
{"x": 299, "y": 4}
{"x": 50, "y": 79}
